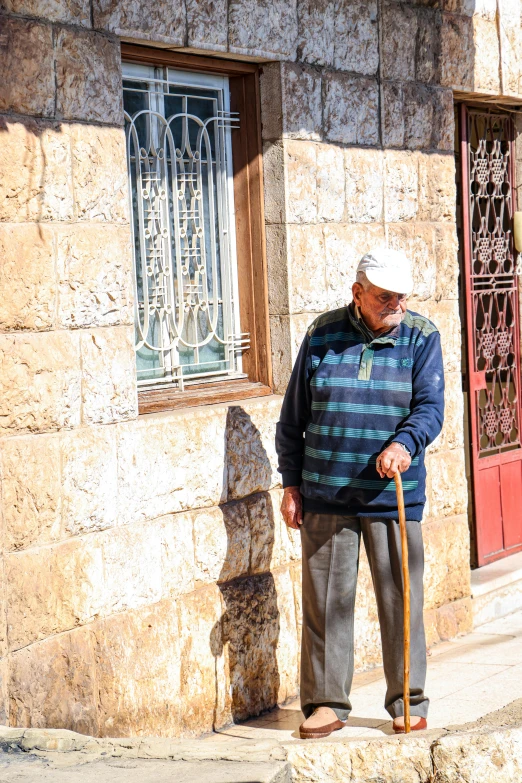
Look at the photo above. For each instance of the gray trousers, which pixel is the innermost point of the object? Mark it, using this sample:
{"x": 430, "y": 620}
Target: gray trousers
{"x": 330, "y": 564}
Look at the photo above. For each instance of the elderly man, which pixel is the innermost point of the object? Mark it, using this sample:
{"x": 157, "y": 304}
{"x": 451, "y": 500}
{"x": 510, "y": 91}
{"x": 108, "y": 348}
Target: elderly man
{"x": 365, "y": 399}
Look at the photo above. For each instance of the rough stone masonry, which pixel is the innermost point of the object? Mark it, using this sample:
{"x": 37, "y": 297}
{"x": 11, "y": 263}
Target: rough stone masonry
{"x": 148, "y": 584}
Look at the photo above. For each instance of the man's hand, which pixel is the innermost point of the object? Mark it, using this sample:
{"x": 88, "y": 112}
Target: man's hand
{"x": 392, "y": 460}
{"x": 292, "y": 507}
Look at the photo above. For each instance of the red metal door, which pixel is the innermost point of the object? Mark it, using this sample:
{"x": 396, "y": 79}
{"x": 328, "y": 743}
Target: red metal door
{"x": 493, "y": 355}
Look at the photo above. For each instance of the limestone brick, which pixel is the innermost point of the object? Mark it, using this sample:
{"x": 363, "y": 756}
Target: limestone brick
{"x": 250, "y": 447}
{"x": 401, "y": 184}
{"x": 206, "y": 24}
{"x": 485, "y": 8}
{"x": 486, "y": 69}
{"x": 109, "y": 391}
{"x": 417, "y": 240}
{"x": 263, "y": 28}
{"x": 281, "y": 348}
{"x": 100, "y": 173}
{"x": 31, "y": 490}
{"x": 418, "y": 116}
{"x": 445, "y": 314}
{"x": 393, "y": 115}
{"x": 457, "y": 52}
{"x": 299, "y": 326}
{"x": 53, "y": 685}
{"x": 296, "y": 573}
{"x": 447, "y": 262}
{"x": 88, "y": 77}
{"x": 221, "y": 543}
{"x": 302, "y": 106}
{"x": 4, "y": 691}
{"x": 162, "y": 22}
{"x": 351, "y": 109}
{"x": 330, "y": 183}
{"x": 39, "y": 382}
{"x": 138, "y": 672}
{"x": 287, "y": 542}
{"x": 449, "y": 494}
{"x": 301, "y": 174}
{"x": 345, "y": 244}
{"x": 448, "y": 621}
{"x": 271, "y": 99}
{"x": 288, "y": 643}
{"x": 364, "y": 185}
{"x": 69, "y": 11}
{"x": 356, "y": 37}
{"x": 428, "y": 46}
{"x": 307, "y": 268}
{"x": 437, "y": 193}
{"x": 278, "y": 272}
{"x": 35, "y": 171}
{"x": 94, "y": 266}
{"x": 274, "y": 181}
{"x": 88, "y": 491}
{"x": 174, "y": 534}
{"x": 399, "y": 43}
{"x": 28, "y": 53}
{"x": 171, "y": 462}
{"x": 251, "y": 629}
{"x": 446, "y": 552}
{"x": 203, "y": 677}
{"x": 27, "y": 277}
{"x": 452, "y": 435}
{"x": 265, "y": 529}
{"x": 510, "y": 39}
{"x": 316, "y": 31}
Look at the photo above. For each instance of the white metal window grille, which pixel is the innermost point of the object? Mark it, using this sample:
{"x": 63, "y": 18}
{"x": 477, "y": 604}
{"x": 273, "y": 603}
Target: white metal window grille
{"x": 180, "y": 186}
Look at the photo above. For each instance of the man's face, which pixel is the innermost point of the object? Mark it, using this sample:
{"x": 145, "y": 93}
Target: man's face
{"x": 381, "y": 309}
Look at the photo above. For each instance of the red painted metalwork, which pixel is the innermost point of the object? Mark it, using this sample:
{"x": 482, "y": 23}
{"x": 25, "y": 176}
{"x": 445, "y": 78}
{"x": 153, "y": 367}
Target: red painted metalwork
{"x": 486, "y": 146}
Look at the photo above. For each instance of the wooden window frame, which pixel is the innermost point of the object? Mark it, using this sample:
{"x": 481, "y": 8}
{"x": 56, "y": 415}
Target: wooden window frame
{"x": 250, "y": 234}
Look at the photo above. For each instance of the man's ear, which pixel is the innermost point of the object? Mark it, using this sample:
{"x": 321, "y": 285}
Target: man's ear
{"x": 356, "y": 293}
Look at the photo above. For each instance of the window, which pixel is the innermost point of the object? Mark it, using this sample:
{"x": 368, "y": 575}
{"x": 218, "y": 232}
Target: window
{"x": 198, "y": 315}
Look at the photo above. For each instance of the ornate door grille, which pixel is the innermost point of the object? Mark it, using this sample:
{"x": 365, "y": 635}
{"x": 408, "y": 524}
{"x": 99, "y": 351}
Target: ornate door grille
{"x": 487, "y": 169}
{"x": 179, "y": 159}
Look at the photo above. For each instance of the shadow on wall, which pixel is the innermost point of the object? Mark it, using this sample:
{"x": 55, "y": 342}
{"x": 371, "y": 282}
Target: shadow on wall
{"x": 248, "y": 631}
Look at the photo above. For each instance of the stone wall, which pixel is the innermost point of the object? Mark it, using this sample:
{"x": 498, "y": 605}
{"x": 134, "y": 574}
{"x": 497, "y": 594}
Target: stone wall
{"x": 149, "y": 585}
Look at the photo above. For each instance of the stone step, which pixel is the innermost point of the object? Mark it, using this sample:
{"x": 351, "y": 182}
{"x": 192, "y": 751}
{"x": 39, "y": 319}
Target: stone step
{"x": 496, "y": 589}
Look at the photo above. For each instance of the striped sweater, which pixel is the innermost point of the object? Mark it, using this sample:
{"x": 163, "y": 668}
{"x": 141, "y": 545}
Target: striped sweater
{"x": 350, "y": 395}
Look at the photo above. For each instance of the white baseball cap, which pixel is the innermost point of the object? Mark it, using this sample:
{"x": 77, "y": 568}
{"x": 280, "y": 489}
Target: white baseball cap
{"x": 388, "y": 269}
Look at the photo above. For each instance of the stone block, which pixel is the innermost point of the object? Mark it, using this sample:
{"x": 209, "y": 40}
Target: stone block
{"x": 53, "y": 684}
{"x": 428, "y": 46}
{"x": 485, "y": 755}
{"x": 31, "y": 490}
{"x": 301, "y": 178}
{"x": 171, "y": 462}
{"x": 299, "y": 326}
{"x": 364, "y": 185}
{"x": 485, "y": 8}
{"x": 204, "y": 695}
{"x": 251, "y": 628}
{"x": 449, "y": 491}
{"x": 138, "y": 672}
{"x": 452, "y": 435}
{"x": 445, "y": 314}
{"x": 393, "y": 114}
{"x": 27, "y": 276}
{"x": 263, "y": 28}
{"x": 345, "y": 244}
{"x": 307, "y": 271}
{"x": 161, "y": 22}
{"x": 401, "y": 185}
{"x": 316, "y": 31}
{"x": 457, "y": 52}
{"x": 437, "y": 190}
{"x": 356, "y": 41}
{"x": 40, "y": 382}
{"x": 28, "y": 53}
{"x": 88, "y": 478}
{"x": 288, "y": 643}
{"x": 351, "y": 109}
{"x": 510, "y": 39}
{"x": 68, "y": 11}
{"x": 418, "y": 116}
{"x": 88, "y": 77}
{"x": 447, "y": 261}
{"x": 35, "y": 171}
{"x": 281, "y": 347}
{"x": 448, "y": 621}
{"x": 222, "y": 541}
{"x": 278, "y": 272}
{"x": 206, "y": 24}
{"x": 446, "y": 552}
{"x": 274, "y": 182}
{"x": 486, "y": 67}
{"x": 109, "y": 390}
{"x": 265, "y": 527}
{"x": 302, "y": 105}
{"x": 399, "y": 42}
{"x": 417, "y": 240}
{"x": 250, "y": 447}
{"x": 296, "y": 573}
{"x": 287, "y": 542}
{"x": 271, "y": 98}
{"x": 95, "y": 278}
{"x": 100, "y": 174}
{"x": 175, "y": 535}
{"x": 443, "y": 136}
{"x": 330, "y": 182}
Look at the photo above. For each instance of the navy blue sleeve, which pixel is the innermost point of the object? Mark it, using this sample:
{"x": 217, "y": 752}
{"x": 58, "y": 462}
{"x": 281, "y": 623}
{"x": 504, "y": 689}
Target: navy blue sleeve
{"x": 424, "y": 423}
{"x": 294, "y": 418}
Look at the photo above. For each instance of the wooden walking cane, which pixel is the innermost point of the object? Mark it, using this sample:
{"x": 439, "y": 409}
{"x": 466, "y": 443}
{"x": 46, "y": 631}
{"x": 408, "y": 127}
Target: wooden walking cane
{"x": 406, "y": 588}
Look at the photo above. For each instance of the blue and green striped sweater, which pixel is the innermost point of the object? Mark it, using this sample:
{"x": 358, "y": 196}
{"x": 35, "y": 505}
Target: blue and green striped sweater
{"x": 349, "y": 396}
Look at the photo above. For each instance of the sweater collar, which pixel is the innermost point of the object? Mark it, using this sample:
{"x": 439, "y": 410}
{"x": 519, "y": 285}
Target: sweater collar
{"x": 357, "y": 321}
